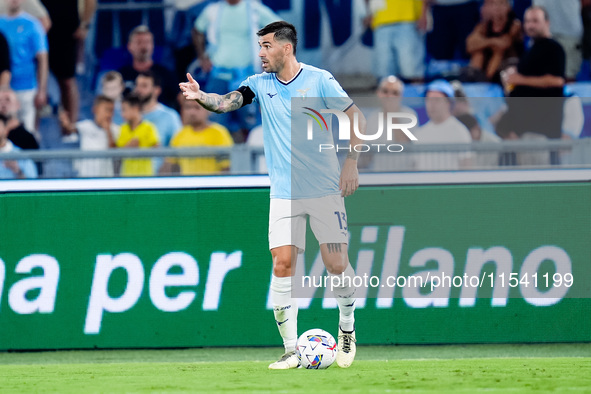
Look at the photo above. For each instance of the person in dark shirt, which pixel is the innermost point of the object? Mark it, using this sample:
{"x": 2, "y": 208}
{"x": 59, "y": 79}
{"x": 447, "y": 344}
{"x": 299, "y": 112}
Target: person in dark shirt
{"x": 536, "y": 86}
{"x": 17, "y": 133}
{"x": 141, "y": 47}
{"x": 67, "y": 29}
{"x": 540, "y": 72}
{"x": 4, "y": 61}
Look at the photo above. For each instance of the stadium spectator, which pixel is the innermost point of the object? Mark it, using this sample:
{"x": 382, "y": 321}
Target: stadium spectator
{"x": 112, "y": 86}
{"x": 86, "y": 10}
{"x": 13, "y": 169}
{"x": 94, "y": 134}
{"x": 17, "y": 133}
{"x": 442, "y": 128}
{"x": 230, "y": 28}
{"x": 566, "y": 26}
{"x": 538, "y": 76}
{"x": 141, "y": 47}
{"x": 5, "y": 73}
{"x": 453, "y": 21}
{"x": 28, "y": 60}
{"x": 198, "y": 130}
{"x": 67, "y": 29}
{"x": 34, "y": 8}
{"x": 540, "y": 72}
{"x": 483, "y": 159}
{"x": 389, "y": 93}
{"x": 181, "y": 37}
{"x": 475, "y": 130}
{"x": 136, "y": 133}
{"x": 461, "y": 105}
{"x": 496, "y": 38}
{"x": 167, "y": 120}
{"x": 487, "y": 110}
{"x": 399, "y": 40}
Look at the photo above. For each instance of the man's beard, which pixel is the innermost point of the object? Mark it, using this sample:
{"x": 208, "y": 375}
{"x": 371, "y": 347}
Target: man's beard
{"x": 536, "y": 35}
{"x": 145, "y": 56}
{"x": 278, "y": 65}
{"x": 145, "y": 99}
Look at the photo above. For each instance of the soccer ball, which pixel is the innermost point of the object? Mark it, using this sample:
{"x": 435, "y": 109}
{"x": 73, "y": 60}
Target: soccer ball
{"x": 316, "y": 349}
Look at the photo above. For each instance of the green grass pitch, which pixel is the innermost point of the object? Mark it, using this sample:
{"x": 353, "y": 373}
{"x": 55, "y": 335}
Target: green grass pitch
{"x": 471, "y": 368}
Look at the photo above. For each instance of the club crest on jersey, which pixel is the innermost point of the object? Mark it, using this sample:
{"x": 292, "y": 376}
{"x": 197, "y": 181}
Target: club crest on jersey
{"x": 303, "y": 92}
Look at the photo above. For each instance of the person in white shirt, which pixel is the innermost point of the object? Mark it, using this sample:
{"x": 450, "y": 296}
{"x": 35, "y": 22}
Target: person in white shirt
{"x": 442, "y": 128}
{"x": 95, "y": 134}
{"x": 389, "y": 93}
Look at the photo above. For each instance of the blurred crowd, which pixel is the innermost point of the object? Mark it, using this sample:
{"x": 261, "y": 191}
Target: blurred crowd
{"x": 526, "y": 48}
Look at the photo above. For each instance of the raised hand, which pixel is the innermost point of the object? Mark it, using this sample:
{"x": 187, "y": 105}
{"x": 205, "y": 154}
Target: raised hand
{"x": 191, "y": 89}
{"x": 211, "y": 101}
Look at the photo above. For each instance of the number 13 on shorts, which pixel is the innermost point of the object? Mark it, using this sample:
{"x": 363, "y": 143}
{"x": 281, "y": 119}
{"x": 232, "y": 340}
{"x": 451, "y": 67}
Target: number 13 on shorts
{"x": 342, "y": 218}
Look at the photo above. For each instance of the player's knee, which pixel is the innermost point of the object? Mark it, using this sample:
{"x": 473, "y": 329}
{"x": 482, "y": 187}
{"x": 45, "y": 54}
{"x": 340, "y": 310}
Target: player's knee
{"x": 282, "y": 267}
{"x": 282, "y": 263}
{"x": 336, "y": 265}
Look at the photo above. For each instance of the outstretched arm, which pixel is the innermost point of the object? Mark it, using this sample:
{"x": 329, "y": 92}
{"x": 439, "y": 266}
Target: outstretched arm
{"x": 211, "y": 101}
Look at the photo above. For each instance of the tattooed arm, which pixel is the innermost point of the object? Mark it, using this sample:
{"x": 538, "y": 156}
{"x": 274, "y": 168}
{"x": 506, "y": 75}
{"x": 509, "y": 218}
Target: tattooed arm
{"x": 211, "y": 101}
{"x": 220, "y": 104}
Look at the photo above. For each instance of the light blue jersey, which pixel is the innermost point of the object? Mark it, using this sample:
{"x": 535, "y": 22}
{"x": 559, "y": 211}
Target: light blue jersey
{"x": 26, "y": 38}
{"x": 297, "y": 167}
{"x": 167, "y": 121}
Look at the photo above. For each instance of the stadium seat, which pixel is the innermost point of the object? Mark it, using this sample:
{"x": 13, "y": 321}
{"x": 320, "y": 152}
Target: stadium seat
{"x": 414, "y": 90}
{"x": 444, "y": 68}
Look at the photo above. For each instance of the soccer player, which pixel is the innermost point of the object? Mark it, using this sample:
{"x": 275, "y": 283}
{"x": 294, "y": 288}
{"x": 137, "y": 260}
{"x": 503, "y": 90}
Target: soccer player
{"x": 304, "y": 182}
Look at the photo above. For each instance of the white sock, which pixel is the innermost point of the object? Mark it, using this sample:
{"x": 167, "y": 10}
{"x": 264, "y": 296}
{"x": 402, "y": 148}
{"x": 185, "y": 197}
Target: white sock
{"x": 285, "y": 310}
{"x": 345, "y": 296}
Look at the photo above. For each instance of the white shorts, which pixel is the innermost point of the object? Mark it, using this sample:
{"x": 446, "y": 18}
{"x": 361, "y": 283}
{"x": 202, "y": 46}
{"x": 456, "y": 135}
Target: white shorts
{"x": 287, "y": 221}
{"x": 27, "y": 111}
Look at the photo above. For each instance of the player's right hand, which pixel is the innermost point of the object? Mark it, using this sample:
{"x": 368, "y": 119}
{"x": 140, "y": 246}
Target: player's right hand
{"x": 190, "y": 89}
